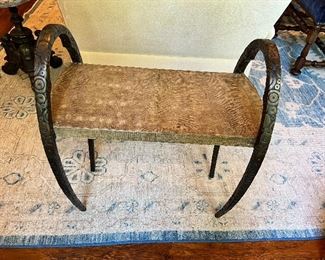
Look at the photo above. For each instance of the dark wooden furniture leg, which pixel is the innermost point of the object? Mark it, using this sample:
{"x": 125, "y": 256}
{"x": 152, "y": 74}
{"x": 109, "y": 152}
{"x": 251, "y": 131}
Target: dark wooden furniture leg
{"x": 91, "y": 147}
{"x": 320, "y": 44}
{"x": 300, "y": 62}
{"x": 306, "y": 23}
{"x": 42, "y": 89}
{"x": 214, "y": 161}
{"x": 19, "y": 46}
{"x": 270, "y": 104}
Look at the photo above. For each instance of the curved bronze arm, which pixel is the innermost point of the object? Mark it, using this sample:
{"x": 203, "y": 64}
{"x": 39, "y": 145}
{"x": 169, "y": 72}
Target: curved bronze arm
{"x": 270, "y": 106}
{"x": 42, "y": 88}
{"x": 272, "y": 86}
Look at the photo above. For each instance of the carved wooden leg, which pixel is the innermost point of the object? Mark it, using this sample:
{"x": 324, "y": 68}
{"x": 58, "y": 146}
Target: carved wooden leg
{"x": 320, "y": 44}
{"x": 11, "y": 66}
{"x": 214, "y": 161}
{"x": 300, "y": 62}
{"x": 91, "y": 147}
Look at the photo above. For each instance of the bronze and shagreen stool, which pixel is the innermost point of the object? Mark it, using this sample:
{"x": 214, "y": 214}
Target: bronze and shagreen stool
{"x": 158, "y": 105}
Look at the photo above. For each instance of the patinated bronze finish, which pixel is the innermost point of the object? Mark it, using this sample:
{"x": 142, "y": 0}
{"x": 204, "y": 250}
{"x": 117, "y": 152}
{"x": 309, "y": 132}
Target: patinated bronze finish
{"x": 42, "y": 88}
{"x": 270, "y": 107}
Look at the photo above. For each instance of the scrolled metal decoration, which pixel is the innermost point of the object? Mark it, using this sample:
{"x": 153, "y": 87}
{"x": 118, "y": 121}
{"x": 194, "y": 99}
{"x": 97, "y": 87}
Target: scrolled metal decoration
{"x": 42, "y": 88}
{"x": 270, "y": 106}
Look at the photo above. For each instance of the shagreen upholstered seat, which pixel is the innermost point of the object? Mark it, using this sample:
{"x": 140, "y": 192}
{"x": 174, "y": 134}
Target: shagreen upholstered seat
{"x": 156, "y": 105}
{"x": 123, "y": 103}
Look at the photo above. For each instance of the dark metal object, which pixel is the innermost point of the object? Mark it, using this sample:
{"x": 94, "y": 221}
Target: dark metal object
{"x": 42, "y": 88}
{"x": 19, "y": 46}
{"x": 214, "y": 161}
{"x": 270, "y": 106}
{"x": 91, "y": 147}
{"x": 305, "y": 23}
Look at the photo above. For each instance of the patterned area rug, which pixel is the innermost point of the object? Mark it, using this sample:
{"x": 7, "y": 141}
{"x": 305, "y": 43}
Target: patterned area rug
{"x": 156, "y": 192}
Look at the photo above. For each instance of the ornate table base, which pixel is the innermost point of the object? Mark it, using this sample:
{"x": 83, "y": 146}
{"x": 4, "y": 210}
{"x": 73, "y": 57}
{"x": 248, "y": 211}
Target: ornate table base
{"x": 19, "y": 46}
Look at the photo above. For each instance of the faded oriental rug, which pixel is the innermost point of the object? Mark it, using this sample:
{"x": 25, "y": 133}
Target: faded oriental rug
{"x": 155, "y": 192}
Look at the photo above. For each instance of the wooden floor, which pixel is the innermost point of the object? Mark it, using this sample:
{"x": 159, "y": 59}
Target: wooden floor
{"x": 250, "y": 250}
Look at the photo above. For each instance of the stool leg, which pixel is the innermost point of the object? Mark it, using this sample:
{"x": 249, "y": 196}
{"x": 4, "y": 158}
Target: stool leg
{"x": 91, "y": 147}
{"x": 214, "y": 161}
{"x": 301, "y": 60}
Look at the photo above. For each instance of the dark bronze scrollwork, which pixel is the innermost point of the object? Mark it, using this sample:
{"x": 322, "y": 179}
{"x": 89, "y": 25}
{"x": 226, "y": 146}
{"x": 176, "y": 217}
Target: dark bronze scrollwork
{"x": 270, "y": 106}
{"x": 42, "y": 89}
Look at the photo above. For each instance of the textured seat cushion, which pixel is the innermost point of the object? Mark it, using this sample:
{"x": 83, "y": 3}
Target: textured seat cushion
{"x": 11, "y": 3}
{"x": 140, "y": 104}
{"x": 316, "y": 8}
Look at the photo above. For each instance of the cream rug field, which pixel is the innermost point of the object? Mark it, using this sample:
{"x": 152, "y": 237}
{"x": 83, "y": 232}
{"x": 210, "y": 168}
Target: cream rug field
{"x": 155, "y": 192}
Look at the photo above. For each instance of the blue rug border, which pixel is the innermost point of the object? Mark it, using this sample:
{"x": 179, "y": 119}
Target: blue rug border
{"x": 110, "y": 239}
